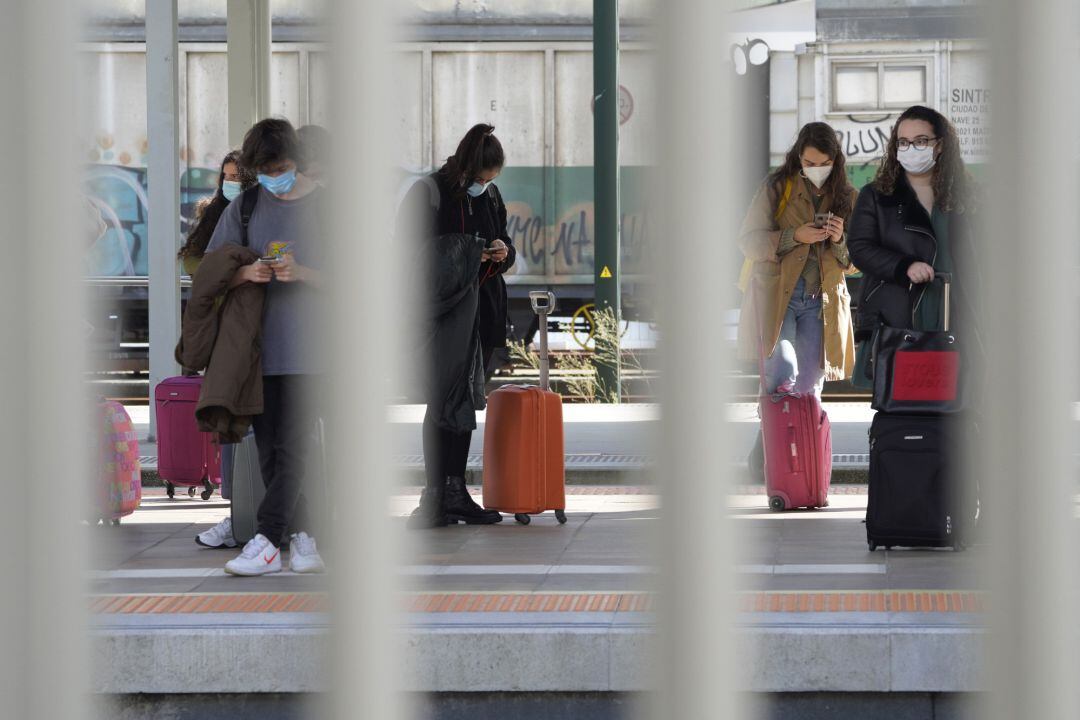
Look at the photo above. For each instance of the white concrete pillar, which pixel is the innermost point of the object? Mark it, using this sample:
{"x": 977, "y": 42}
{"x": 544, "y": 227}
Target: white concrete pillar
{"x": 163, "y": 186}
{"x": 248, "y": 38}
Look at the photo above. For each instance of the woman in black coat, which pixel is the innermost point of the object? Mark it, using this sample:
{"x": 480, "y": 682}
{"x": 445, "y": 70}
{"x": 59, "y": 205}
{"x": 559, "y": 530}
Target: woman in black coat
{"x": 911, "y": 223}
{"x": 461, "y": 200}
{"x": 471, "y": 203}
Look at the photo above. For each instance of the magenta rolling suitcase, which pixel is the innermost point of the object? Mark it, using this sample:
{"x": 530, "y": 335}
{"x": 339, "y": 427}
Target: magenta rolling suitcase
{"x": 186, "y": 456}
{"x": 798, "y": 451}
{"x": 797, "y": 441}
{"x": 119, "y": 488}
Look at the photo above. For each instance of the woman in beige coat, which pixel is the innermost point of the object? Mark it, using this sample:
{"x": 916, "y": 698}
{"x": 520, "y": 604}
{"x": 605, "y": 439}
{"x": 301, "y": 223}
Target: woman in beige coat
{"x": 797, "y": 295}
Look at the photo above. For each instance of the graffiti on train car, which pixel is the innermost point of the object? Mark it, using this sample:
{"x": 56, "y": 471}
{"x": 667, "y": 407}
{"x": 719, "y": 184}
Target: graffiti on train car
{"x": 119, "y": 193}
{"x": 564, "y": 245}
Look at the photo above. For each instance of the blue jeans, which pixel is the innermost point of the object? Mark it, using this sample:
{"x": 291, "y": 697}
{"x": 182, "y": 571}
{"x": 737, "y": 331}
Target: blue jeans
{"x": 795, "y": 364}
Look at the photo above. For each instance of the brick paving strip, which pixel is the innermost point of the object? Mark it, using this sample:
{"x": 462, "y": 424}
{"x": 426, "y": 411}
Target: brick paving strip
{"x": 901, "y": 601}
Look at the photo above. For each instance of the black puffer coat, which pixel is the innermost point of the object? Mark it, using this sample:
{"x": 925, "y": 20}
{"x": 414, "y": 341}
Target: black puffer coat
{"x": 484, "y": 216}
{"x": 450, "y": 343}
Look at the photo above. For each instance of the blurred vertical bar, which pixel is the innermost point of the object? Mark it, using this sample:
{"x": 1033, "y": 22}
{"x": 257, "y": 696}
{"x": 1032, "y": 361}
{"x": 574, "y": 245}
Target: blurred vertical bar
{"x": 163, "y": 188}
{"x": 43, "y": 438}
{"x": 363, "y": 356}
{"x": 1030, "y": 307}
{"x": 697, "y": 663}
{"x": 248, "y": 47}
{"x": 607, "y": 272}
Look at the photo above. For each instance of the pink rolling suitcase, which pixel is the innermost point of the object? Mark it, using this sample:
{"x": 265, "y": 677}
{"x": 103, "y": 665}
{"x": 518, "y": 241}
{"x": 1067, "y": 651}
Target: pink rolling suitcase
{"x": 797, "y": 443}
{"x": 119, "y": 487}
{"x": 798, "y": 451}
{"x": 186, "y": 456}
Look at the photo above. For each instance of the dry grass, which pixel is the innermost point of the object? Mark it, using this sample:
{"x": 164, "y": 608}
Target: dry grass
{"x": 578, "y": 371}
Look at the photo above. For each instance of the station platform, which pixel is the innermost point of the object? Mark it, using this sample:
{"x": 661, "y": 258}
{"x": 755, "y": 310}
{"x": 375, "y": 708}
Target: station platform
{"x": 544, "y": 608}
{"x": 605, "y": 444}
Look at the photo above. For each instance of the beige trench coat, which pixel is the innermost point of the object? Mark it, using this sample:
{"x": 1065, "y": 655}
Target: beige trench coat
{"x": 774, "y": 279}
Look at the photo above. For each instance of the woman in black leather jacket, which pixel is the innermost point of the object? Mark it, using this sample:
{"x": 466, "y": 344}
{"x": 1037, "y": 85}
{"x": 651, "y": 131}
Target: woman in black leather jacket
{"x": 913, "y": 221}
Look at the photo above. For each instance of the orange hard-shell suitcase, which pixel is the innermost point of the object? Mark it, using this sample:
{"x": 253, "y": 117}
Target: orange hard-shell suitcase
{"x": 524, "y": 464}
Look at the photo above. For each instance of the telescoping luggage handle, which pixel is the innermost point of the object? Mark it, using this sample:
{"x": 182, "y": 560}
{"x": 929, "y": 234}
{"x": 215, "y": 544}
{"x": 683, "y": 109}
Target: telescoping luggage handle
{"x": 946, "y": 280}
{"x": 946, "y": 283}
{"x": 543, "y": 304}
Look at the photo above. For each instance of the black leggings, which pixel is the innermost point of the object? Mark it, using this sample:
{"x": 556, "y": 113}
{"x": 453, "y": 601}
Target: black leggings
{"x": 446, "y": 453}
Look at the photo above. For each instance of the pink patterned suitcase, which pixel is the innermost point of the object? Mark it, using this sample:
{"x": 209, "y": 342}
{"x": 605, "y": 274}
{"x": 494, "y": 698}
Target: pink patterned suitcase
{"x": 119, "y": 487}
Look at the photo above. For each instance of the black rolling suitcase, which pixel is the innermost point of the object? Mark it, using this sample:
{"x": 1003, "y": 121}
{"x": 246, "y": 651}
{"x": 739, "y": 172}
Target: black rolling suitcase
{"x": 917, "y": 498}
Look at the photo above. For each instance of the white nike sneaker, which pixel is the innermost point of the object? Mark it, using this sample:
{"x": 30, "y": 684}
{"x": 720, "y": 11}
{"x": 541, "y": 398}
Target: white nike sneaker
{"x": 219, "y": 536}
{"x": 304, "y": 556}
{"x": 259, "y": 557}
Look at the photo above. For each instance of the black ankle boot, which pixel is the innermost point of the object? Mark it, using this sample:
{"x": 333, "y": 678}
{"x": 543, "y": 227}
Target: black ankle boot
{"x": 459, "y": 505}
{"x": 429, "y": 513}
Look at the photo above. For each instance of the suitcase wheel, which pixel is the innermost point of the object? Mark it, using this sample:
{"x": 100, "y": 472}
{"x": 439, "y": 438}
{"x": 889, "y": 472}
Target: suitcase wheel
{"x": 873, "y": 546}
{"x": 522, "y": 518}
{"x": 560, "y": 515}
{"x": 191, "y": 491}
{"x": 776, "y": 503}
{"x": 114, "y": 522}
{"x": 170, "y": 489}
{"x": 208, "y": 489}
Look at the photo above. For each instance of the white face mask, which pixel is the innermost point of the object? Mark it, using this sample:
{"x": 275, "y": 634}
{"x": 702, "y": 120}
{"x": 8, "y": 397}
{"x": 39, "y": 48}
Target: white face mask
{"x": 817, "y": 175}
{"x": 917, "y": 161}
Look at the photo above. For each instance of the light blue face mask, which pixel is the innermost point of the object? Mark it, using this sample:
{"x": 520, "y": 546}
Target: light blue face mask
{"x": 230, "y": 189}
{"x": 477, "y": 189}
{"x": 280, "y": 185}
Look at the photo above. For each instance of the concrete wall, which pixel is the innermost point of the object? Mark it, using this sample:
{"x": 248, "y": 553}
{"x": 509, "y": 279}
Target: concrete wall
{"x": 956, "y": 85}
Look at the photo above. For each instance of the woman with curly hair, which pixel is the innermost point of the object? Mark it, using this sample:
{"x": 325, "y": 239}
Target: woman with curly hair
{"x": 232, "y": 180}
{"x": 911, "y": 223}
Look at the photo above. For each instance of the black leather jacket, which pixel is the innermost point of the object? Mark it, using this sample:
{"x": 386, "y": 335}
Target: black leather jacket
{"x": 888, "y": 233}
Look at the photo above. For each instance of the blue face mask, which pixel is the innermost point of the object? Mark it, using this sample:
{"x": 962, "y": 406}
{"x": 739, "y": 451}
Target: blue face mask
{"x": 230, "y": 189}
{"x": 477, "y": 189}
{"x": 280, "y": 185}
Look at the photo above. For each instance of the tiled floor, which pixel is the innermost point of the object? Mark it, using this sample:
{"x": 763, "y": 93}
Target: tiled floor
{"x": 607, "y": 546}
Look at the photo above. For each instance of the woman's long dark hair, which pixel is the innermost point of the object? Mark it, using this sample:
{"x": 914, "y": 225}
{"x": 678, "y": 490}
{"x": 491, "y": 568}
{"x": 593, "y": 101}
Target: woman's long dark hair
{"x": 479, "y": 150}
{"x": 208, "y": 211}
{"x": 822, "y": 138}
{"x": 951, "y": 181}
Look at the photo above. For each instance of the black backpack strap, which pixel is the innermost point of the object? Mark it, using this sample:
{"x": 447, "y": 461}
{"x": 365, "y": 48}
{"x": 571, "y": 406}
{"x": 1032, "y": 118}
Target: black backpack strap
{"x": 247, "y": 208}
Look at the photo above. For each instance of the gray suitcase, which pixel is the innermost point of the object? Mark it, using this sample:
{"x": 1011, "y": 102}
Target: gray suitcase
{"x": 248, "y": 489}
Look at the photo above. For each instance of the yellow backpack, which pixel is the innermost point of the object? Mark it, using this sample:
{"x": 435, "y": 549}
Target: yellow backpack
{"x": 748, "y": 264}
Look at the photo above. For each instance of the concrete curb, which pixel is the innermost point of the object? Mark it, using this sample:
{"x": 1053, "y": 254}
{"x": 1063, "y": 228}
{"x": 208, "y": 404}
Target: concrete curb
{"x": 543, "y": 652}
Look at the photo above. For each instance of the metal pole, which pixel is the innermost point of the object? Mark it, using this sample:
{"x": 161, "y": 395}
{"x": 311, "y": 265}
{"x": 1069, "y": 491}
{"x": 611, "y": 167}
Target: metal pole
{"x": 702, "y": 661}
{"x": 248, "y": 48}
{"x": 163, "y": 181}
{"x": 1027, "y": 435}
{"x": 368, "y": 671}
{"x": 606, "y": 180}
{"x": 44, "y": 431}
